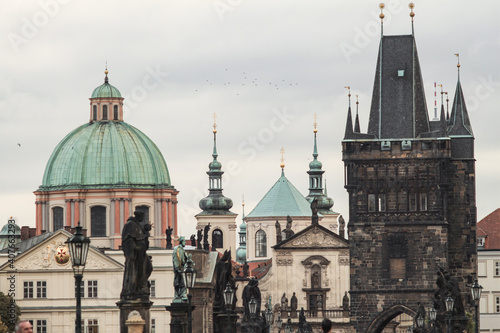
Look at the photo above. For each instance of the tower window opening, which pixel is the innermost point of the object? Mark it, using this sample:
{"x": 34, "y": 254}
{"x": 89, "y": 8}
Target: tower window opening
{"x": 382, "y": 202}
{"x": 371, "y": 202}
{"x": 115, "y": 112}
{"x": 94, "y": 112}
{"x": 105, "y": 112}
{"x": 412, "y": 200}
{"x": 423, "y": 201}
{"x": 260, "y": 243}
{"x": 57, "y": 218}
{"x": 217, "y": 239}
{"x": 98, "y": 221}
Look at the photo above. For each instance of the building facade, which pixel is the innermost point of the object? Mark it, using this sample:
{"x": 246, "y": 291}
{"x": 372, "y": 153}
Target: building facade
{"x": 488, "y": 249}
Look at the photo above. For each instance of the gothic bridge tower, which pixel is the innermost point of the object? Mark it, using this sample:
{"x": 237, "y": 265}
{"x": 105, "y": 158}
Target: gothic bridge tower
{"x": 411, "y": 187}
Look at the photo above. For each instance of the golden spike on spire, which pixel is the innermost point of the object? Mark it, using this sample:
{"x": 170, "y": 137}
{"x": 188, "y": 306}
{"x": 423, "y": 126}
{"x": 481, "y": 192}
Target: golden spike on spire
{"x": 381, "y": 6}
{"x": 215, "y": 124}
{"x": 412, "y": 14}
{"x": 282, "y": 151}
{"x": 315, "y": 130}
{"x": 106, "y": 69}
{"x": 357, "y": 101}
{"x": 440, "y": 85}
{"x": 349, "y": 94}
{"x": 458, "y": 60}
{"x": 243, "y": 200}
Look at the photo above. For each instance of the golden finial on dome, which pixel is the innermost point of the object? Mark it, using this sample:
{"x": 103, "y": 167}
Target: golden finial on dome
{"x": 315, "y": 130}
{"x": 411, "y": 6}
{"x": 215, "y": 124}
{"x": 381, "y": 6}
{"x": 282, "y": 151}
{"x": 106, "y": 73}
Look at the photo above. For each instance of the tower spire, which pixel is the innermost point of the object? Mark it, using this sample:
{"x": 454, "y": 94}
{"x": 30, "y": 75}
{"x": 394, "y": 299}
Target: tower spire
{"x": 215, "y": 202}
{"x": 348, "y": 125}
{"x": 316, "y": 179}
{"x": 447, "y": 110}
{"x": 356, "y": 121}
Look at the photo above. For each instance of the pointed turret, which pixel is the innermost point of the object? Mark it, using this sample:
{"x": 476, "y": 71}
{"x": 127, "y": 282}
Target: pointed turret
{"x": 315, "y": 172}
{"x": 215, "y": 203}
{"x": 348, "y": 126}
{"x": 356, "y": 122}
{"x": 459, "y": 127}
{"x": 241, "y": 252}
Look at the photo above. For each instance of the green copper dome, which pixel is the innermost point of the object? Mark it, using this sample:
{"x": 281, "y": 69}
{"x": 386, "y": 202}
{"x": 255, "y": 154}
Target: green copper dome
{"x": 105, "y": 154}
{"x": 106, "y": 90}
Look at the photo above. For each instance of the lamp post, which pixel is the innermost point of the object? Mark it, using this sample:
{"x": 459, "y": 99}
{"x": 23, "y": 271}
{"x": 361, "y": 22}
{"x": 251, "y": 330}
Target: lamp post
{"x": 449, "y": 302}
{"x": 476, "y": 296}
{"x": 288, "y": 327}
{"x": 228, "y": 301}
{"x": 269, "y": 318}
{"x": 432, "y": 313}
{"x": 78, "y": 246}
{"x": 279, "y": 324}
{"x": 189, "y": 275}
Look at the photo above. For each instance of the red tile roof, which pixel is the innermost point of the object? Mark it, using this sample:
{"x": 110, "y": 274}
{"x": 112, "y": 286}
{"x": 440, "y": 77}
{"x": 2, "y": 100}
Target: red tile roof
{"x": 490, "y": 227}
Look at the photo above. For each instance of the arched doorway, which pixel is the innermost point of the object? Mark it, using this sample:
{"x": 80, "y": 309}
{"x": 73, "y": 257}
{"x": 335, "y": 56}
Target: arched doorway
{"x": 385, "y": 318}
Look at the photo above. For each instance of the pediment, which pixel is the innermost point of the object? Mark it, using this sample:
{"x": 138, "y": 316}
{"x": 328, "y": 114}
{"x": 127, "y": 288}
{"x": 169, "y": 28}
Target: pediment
{"x": 52, "y": 254}
{"x": 314, "y": 237}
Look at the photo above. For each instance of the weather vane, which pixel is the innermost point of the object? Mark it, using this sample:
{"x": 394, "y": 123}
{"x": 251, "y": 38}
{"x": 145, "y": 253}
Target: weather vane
{"x": 349, "y": 94}
{"x": 215, "y": 124}
{"x": 458, "y": 60}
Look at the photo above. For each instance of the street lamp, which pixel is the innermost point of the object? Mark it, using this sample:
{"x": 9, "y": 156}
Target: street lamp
{"x": 269, "y": 318}
{"x": 449, "y": 302}
{"x": 228, "y": 300}
{"x": 279, "y": 324}
{"x": 78, "y": 246}
{"x": 420, "y": 321}
{"x": 189, "y": 275}
{"x": 288, "y": 327}
{"x": 476, "y": 296}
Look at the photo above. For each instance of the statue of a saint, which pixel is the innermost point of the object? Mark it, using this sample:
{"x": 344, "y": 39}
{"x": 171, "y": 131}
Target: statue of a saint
{"x": 223, "y": 275}
{"x": 293, "y": 306}
{"x": 345, "y": 302}
{"x": 199, "y": 238}
{"x": 288, "y": 231}
{"x": 314, "y": 209}
{"x": 284, "y": 302}
{"x": 169, "y": 237}
{"x": 193, "y": 240}
{"x": 206, "y": 246}
{"x": 341, "y": 226}
{"x": 279, "y": 238}
{"x": 246, "y": 270}
{"x": 138, "y": 266}
{"x": 179, "y": 258}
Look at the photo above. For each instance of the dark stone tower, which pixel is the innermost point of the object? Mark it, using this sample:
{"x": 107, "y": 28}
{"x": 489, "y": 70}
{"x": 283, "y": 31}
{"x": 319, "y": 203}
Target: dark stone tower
{"x": 411, "y": 186}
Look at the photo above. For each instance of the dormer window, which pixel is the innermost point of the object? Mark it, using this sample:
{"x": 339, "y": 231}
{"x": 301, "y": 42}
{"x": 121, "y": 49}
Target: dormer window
{"x": 480, "y": 242}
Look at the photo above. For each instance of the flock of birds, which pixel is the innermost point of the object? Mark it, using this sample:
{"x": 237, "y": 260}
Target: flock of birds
{"x": 247, "y": 81}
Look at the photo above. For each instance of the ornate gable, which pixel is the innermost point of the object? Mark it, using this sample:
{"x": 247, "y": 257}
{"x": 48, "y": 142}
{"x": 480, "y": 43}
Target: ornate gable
{"x": 53, "y": 254}
{"x": 314, "y": 236}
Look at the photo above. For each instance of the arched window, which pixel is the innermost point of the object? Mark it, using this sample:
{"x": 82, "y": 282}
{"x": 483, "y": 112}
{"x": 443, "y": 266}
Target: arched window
{"x": 57, "y": 218}
{"x": 104, "y": 112}
{"x": 217, "y": 239}
{"x": 98, "y": 221}
{"x": 260, "y": 244}
{"x": 115, "y": 112}
{"x": 145, "y": 210}
{"x": 94, "y": 112}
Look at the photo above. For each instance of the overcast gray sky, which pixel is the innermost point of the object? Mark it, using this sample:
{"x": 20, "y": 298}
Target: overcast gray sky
{"x": 265, "y": 67}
